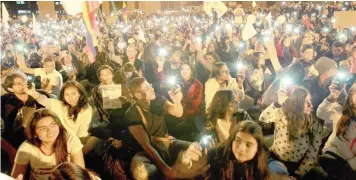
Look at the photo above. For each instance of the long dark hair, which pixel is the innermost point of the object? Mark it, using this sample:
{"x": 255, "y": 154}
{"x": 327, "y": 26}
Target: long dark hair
{"x": 192, "y": 69}
{"x": 219, "y": 105}
{"x": 348, "y": 114}
{"x": 293, "y": 108}
{"x": 215, "y": 72}
{"x": 82, "y": 102}
{"x": 60, "y": 145}
{"x": 70, "y": 171}
{"x": 256, "y": 168}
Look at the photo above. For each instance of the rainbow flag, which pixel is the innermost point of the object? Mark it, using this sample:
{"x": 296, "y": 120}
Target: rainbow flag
{"x": 125, "y": 12}
{"x": 92, "y": 29}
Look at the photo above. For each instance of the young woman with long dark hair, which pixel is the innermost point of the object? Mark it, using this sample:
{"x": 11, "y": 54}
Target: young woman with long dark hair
{"x": 48, "y": 144}
{"x": 297, "y": 135}
{"x": 242, "y": 156}
{"x": 71, "y": 171}
{"x": 339, "y": 153}
{"x": 220, "y": 78}
{"x": 223, "y": 115}
{"x": 72, "y": 108}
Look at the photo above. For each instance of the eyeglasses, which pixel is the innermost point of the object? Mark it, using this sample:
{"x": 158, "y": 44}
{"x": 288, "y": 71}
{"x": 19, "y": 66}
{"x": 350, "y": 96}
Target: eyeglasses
{"x": 19, "y": 84}
{"x": 146, "y": 88}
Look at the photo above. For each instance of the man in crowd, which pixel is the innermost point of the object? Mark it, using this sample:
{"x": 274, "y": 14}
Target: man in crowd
{"x": 16, "y": 106}
{"x": 51, "y": 80}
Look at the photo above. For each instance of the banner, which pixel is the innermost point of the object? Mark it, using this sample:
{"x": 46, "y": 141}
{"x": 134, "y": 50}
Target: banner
{"x": 72, "y": 7}
{"x": 46, "y": 9}
{"x": 239, "y": 13}
{"x": 105, "y": 7}
{"x": 111, "y": 19}
{"x": 344, "y": 19}
{"x": 5, "y": 14}
{"x": 269, "y": 19}
{"x": 249, "y": 31}
{"x": 272, "y": 53}
{"x": 254, "y": 4}
{"x": 110, "y": 95}
{"x": 34, "y": 23}
{"x": 218, "y": 6}
{"x": 141, "y": 35}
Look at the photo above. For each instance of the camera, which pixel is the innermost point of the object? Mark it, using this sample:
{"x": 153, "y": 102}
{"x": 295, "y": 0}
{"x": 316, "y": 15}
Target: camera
{"x": 30, "y": 81}
{"x": 172, "y": 83}
{"x": 287, "y": 81}
{"x": 341, "y": 79}
{"x": 198, "y": 39}
{"x": 240, "y": 66}
{"x": 163, "y": 52}
{"x": 204, "y": 141}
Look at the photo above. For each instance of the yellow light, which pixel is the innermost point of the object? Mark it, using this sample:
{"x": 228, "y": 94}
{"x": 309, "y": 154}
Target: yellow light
{"x": 24, "y": 18}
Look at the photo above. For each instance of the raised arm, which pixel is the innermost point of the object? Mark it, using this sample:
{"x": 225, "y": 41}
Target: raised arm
{"x": 201, "y": 59}
{"x": 175, "y": 109}
{"x": 22, "y": 65}
{"x": 330, "y": 109}
{"x": 42, "y": 99}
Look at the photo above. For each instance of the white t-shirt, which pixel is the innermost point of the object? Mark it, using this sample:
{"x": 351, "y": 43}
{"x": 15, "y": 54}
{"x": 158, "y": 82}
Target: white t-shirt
{"x": 41, "y": 164}
{"x": 55, "y": 79}
{"x": 79, "y": 127}
{"x": 223, "y": 127}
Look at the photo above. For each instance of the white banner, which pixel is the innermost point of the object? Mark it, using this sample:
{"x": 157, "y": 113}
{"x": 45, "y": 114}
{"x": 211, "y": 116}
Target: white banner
{"x": 72, "y": 7}
{"x": 110, "y": 95}
{"x": 218, "y": 6}
{"x": 5, "y": 14}
{"x": 249, "y": 31}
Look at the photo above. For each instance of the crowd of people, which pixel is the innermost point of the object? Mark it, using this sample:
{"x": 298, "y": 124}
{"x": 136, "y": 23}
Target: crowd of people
{"x": 197, "y": 99}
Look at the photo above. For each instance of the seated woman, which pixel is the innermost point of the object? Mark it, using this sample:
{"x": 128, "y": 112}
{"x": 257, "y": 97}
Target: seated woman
{"x": 72, "y": 108}
{"x": 224, "y": 115}
{"x": 71, "y": 171}
{"x": 339, "y": 153}
{"x": 192, "y": 91}
{"x": 71, "y": 70}
{"x": 256, "y": 75}
{"x": 220, "y": 78}
{"x": 242, "y": 156}
{"x": 48, "y": 144}
{"x": 297, "y": 135}
{"x": 297, "y": 74}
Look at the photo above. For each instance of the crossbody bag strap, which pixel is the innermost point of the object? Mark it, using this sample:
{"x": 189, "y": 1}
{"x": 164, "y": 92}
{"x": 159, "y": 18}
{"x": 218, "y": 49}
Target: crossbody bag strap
{"x": 144, "y": 120}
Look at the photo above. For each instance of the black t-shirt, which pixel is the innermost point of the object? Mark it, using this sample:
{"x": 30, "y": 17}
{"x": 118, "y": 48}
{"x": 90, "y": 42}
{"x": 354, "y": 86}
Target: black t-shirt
{"x": 10, "y": 105}
{"x": 154, "y": 117}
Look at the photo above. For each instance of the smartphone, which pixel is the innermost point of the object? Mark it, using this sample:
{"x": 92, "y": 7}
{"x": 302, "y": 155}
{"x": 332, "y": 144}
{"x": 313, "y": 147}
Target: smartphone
{"x": 287, "y": 81}
{"x": 204, "y": 141}
{"x": 340, "y": 78}
{"x": 240, "y": 66}
{"x": 30, "y": 81}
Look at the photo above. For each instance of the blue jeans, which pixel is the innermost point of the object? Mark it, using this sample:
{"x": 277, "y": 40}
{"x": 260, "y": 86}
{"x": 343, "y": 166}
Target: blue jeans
{"x": 277, "y": 167}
